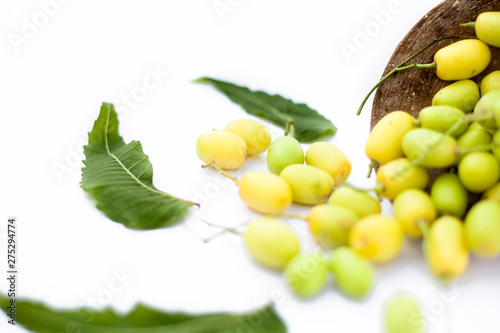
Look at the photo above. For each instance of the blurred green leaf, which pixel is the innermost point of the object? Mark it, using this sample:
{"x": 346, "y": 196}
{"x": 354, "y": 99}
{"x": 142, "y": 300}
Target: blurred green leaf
{"x": 142, "y": 319}
{"x": 308, "y": 124}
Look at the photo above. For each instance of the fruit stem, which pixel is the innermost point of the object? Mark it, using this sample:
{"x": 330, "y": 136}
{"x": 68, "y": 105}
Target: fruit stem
{"x": 446, "y": 279}
{"x": 218, "y": 168}
{"x": 423, "y": 155}
{"x": 468, "y": 25}
{"x": 223, "y": 230}
{"x": 423, "y": 226}
{"x": 366, "y": 190}
{"x": 463, "y": 150}
{"x": 292, "y": 215}
{"x": 373, "y": 164}
{"x": 290, "y": 128}
{"x": 478, "y": 117}
{"x": 395, "y": 70}
{"x": 379, "y": 189}
{"x": 404, "y": 62}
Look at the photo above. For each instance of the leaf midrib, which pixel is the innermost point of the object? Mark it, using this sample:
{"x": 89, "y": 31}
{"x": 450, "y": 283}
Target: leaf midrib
{"x": 138, "y": 181}
{"x": 261, "y": 103}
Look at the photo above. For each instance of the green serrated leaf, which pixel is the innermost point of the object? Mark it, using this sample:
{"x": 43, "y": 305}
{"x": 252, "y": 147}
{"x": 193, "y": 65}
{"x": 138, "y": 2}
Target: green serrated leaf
{"x": 120, "y": 177}
{"x": 308, "y": 124}
{"x": 39, "y": 318}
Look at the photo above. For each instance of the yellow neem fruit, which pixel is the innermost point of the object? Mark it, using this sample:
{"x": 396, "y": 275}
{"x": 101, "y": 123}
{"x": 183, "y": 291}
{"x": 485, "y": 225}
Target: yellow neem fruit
{"x": 411, "y": 207}
{"x": 264, "y": 192}
{"x": 445, "y": 248}
{"x": 462, "y": 60}
{"x": 384, "y": 142}
{"x": 490, "y": 82}
{"x": 228, "y": 150}
{"x": 397, "y": 176}
{"x": 310, "y": 185}
{"x": 271, "y": 242}
{"x": 488, "y": 28}
{"x": 492, "y": 193}
{"x": 376, "y": 237}
{"x": 327, "y": 157}
{"x": 256, "y": 136}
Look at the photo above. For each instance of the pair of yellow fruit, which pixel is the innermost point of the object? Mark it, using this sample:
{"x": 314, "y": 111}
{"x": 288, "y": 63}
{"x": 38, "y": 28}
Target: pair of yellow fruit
{"x": 230, "y": 148}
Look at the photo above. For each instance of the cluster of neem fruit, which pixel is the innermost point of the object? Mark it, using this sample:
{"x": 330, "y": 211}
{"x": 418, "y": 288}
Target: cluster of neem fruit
{"x": 269, "y": 240}
{"x": 459, "y": 131}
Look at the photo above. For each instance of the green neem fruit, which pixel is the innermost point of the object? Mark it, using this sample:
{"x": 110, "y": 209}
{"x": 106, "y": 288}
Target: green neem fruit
{"x": 478, "y": 171}
{"x": 353, "y": 274}
{"x": 397, "y": 176}
{"x": 490, "y": 82}
{"x": 256, "y": 136}
{"x": 487, "y": 110}
{"x": 402, "y": 315}
{"x": 474, "y": 138}
{"x": 305, "y": 274}
{"x": 482, "y": 228}
{"x": 495, "y": 147}
{"x": 462, "y": 94}
{"x": 327, "y": 157}
{"x": 444, "y": 151}
{"x": 271, "y": 242}
{"x": 359, "y": 202}
{"x": 330, "y": 225}
{"x": 477, "y": 125}
{"x": 376, "y": 237}
{"x": 412, "y": 207}
{"x": 309, "y": 185}
{"x": 441, "y": 117}
{"x": 492, "y": 193}
{"x": 449, "y": 195}
{"x": 283, "y": 152}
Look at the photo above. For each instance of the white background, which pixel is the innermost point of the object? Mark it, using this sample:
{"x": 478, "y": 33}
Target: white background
{"x": 52, "y": 83}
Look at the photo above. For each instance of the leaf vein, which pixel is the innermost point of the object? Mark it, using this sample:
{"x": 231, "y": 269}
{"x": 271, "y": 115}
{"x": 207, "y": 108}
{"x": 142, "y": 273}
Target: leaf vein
{"x": 123, "y": 166}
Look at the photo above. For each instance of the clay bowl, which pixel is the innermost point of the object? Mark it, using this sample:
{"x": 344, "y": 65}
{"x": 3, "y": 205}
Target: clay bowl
{"x": 412, "y": 90}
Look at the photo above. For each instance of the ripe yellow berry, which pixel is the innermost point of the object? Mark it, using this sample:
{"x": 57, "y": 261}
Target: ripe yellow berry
{"x": 227, "y": 150}
{"x": 256, "y": 136}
